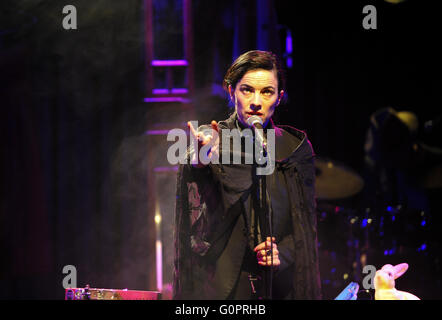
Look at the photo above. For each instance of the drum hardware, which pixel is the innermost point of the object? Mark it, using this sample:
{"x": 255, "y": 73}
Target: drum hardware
{"x": 351, "y": 238}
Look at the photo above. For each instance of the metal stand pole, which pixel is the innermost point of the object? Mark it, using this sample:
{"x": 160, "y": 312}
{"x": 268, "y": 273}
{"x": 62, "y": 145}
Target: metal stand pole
{"x": 265, "y": 221}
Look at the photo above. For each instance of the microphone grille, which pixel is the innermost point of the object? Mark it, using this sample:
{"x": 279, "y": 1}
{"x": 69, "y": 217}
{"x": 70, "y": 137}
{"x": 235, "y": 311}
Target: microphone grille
{"x": 252, "y": 120}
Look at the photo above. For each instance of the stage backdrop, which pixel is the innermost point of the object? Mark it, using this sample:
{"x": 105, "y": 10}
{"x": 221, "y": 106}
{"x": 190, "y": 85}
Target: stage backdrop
{"x": 74, "y": 184}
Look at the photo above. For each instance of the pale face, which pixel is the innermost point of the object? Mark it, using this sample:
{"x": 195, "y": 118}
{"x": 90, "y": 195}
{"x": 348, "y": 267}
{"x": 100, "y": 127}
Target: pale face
{"x": 256, "y": 94}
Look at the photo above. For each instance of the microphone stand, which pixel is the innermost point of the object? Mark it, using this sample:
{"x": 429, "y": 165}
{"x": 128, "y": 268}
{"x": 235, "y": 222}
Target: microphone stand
{"x": 265, "y": 222}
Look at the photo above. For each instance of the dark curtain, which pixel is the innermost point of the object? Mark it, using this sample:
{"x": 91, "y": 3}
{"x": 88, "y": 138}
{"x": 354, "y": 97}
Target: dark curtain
{"x": 343, "y": 73}
{"x": 72, "y": 157}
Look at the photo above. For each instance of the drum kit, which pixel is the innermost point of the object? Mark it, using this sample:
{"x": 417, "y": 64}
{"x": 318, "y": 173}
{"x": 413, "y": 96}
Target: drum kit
{"x": 335, "y": 180}
{"x": 350, "y": 237}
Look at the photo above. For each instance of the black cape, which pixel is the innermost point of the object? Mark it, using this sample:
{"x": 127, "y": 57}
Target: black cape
{"x": 205, "y": 196}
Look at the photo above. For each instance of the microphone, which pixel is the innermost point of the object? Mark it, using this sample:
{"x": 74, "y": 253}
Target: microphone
{"x": 256, "y": 123}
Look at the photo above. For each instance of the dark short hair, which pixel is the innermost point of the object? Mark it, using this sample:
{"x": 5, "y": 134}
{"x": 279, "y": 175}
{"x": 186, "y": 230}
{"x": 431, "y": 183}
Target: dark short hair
{"x": 252, "y": 60}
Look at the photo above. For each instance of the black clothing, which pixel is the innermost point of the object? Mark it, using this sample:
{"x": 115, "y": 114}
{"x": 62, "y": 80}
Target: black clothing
{"x": 214, "y": 235}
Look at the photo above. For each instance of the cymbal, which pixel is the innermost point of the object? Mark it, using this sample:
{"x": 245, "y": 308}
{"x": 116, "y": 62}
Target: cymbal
{"x": 335, "y": 180}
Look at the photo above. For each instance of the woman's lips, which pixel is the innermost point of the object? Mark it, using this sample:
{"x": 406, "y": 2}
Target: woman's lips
{"x": 254, "y": 113}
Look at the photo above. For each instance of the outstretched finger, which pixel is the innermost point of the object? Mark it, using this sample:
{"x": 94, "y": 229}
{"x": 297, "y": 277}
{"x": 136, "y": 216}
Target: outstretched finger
{"x": 215, "y": 125}
{"x": 192, "y": 130}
